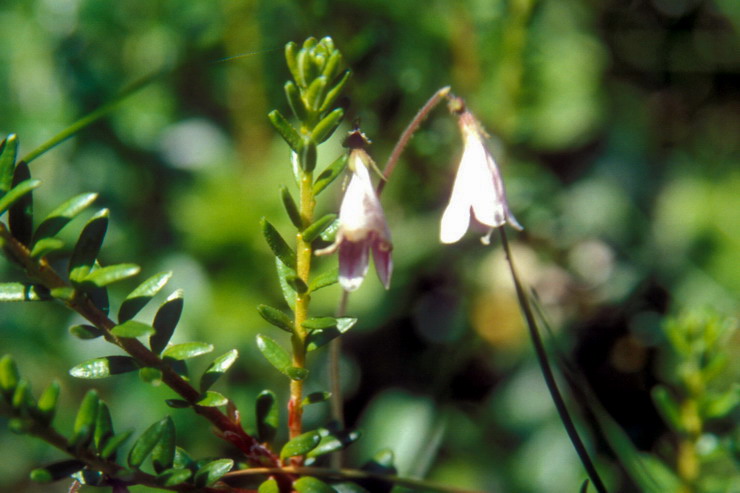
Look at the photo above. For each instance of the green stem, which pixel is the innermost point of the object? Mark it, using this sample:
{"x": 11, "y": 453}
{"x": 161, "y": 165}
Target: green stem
{"x": 547, "y": 372}
{"x": 92, "y": 117}
{"x": 304, "y": 254}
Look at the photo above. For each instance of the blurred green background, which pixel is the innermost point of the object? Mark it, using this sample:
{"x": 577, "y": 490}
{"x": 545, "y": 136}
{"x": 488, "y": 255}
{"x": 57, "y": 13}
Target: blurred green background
{"x": 617, "y": 127}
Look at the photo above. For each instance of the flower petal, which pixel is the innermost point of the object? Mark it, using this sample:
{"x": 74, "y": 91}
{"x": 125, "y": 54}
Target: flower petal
{"x": 383, "y": 261}
{"x": 353, "y": 263}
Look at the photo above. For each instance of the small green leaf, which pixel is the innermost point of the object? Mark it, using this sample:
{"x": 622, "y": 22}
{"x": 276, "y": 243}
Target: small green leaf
{"x": 112, "y": 273}
{"x": 315, "y": 398}
{"x": 315, "y": 93}
{"x": 62, "y": 215}
{"x": 668, "y": 407}
{"x": 277, "y": 244}
{"x": 333, "y": 65}
{"x": 295, "y": 373}
{"x": 64, "y": 293}
{"x": 139, "y": 297}
{"x": 274, "y": 353}
{"x": 213, "y": 399}
{"x": 16, "y": 291}
{"x": 276, "y": 317}
{"x": 291, "y": 58}
{"x": 286, "y": 130}
{"x": 324, "y": 279}
{"x": 166, "y": 320}
{"x": 152, "y": 376}
{"x": 8, "y": 155}
{"x": 45, "y": 246}
{"x": 114, "y": 443}
{"x": 333, "y": 441}
{"x": 300, "y": 445}
{"x": 312, "y": 232}
{"x": 267, "y": 416}
{"x": 187, "y": 350}
{"x": 212, "y": 472}
{"x": 103, "y": 427}
{"x": 381, "y": 463}
{"x": 8, "y": 375}
{"x": 85, "y": 332}
{"x": 132, "y": 329}
{"x": 85, "y": 420}
{"x": 290, "y": 207}
{"x": 22, "y": 398}
{"x": 20, "y": 214}
{"x": 325, "y": 329}
{"x": 163, "y": 455}
{"x": 330, "y": 174}
{"x": 297, "y": 284}
{"x": 57, "y": 471}
{"x": 334, "y": 92}
{"x": 145, "y": 444}
{"x": 173, "y": 477}
{"x": 47, "y": 404}
{"x": 307, "y": 484}
{"x": 326, "y": 127}
{"x": 177, "y": 403}
{"x": 104, "y": 367}
{"x": 308, "y": 155}
{"x": 284, "y": 273}
{"x": 293, "y": 95}
{"x": 269, "y": 486}
{"x": 218, "y": 367}
{"x": 718, "y": 405}
{"x": 16, "y": 193}
{"x": 88, "y": 246}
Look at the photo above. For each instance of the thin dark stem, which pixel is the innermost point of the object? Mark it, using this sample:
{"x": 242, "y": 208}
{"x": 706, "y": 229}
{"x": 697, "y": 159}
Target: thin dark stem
{"x": 92, "y": 117}
{"x": 390, "y": 165}
{"x": 548, "y": 374}
{"x": 335, "y": 379}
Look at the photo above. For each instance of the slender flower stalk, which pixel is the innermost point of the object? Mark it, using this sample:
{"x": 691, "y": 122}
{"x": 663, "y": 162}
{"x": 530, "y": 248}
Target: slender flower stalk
{"x": 478, "y": 187}
{"x": 362, "y": 224}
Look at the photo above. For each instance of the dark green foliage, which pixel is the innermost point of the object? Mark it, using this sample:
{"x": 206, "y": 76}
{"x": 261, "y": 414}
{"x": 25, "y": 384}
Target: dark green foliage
{"x": 212, "y": 399}
{"x": 267, "y": 416}
{"x": 132, "y": 329}
{"x": 62, "y": 215}
{"x": 8, "y": 155}
{"x": 56, "y": 471}
{"x": 104, "y": 367}
{"x": 103, "y": 427}
{"x": 330, "y": 174}
{"x": 45, "y": 246}
{"x": 279, "y": 358}
{"x": 163, "y": 454}
{"x": 146, "y": 443}
{"x": 87, "y": 414}
{"x": 217, "y": 368}
{"x": 9, "y": 376}
{"x": 316, "y": 397}
{"x": 300, "y": 445}
{"x": 114, "y": 443}
{"x": 172, "y": 477}
{"x": 324, "y": 279}
{"x": 291, "y": 136}
{"x": 324, "y": 329}
{"x": 276, "y": 317}
{"x": 139, "y": 297}
{"x": 165, "y": 321}
{"x": 269, "y": 486}
{"x": 85, "y": 331}
{"x": 187, "y": 350}
{"x": 312, "y": 232}
{"x": 212, "y": 472}
{"x": 20, "y": 215}
{"x": 88, "y": 245}
{"x": 284, "y": 273}
{"x": 331, "y": 441}
{"x": 326, "y": 127}
{"x": 104, "y": 276}
{"x": 47, "y": 405}
{"x": 290, "y": 207}
{"x": 277, "y": 244}
{"x": 308, "y": 484}
{"x": 16, "y": 291}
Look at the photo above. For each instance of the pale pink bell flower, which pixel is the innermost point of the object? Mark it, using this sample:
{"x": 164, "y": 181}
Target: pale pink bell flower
{"x": 362, "y": 224}
{"x": 478, "y": 187}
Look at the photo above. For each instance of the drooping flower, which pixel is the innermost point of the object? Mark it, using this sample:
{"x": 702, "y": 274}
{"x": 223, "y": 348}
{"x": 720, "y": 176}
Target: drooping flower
{"x": 362, "y": 224}
{"x": 478, "y": 187}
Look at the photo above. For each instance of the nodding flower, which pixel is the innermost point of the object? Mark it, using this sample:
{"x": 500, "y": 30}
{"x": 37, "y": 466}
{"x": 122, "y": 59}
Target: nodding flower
{"x": 478, "y": 187}
{"x": 362, "y": 224}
